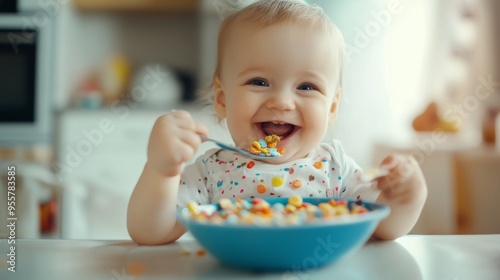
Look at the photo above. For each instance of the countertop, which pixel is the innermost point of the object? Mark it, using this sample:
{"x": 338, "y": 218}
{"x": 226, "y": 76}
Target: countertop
{"x": 444, "y": 257}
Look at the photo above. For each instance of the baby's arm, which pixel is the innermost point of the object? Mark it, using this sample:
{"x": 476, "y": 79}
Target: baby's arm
{"x": 405, "y": 191}
{"x": 151, "y": 215}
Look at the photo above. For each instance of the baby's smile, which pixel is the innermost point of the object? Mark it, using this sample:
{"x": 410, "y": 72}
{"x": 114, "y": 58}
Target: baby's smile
{"x": 279, "y": 128}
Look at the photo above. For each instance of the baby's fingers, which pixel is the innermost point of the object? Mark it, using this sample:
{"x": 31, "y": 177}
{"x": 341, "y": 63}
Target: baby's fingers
{"x": 401, "y": 168}
{"x": 392, "y": 161}
{"x": 390, "y": 164}
{"x": 186, "y": 121}
{"x": 201, "y": 129}
{"x": 191, "y": 139}
{"x": 389, "y": 182}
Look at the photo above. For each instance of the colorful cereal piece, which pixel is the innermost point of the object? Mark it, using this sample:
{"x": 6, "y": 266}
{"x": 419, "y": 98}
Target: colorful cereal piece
{"x": 262, "y": 143}
{"x": 327, "y": 209}
{"x": 201, "y": 252}
{"x": 191, "y": 206}
{"x": 232, "y": 219}
{"x": 278, "y": 207}
{"x": 135, "y": 268}
{"x": 358, "y": 209}
{"x": 291, "y": 219}
{"x": 225, "y": 203}
{"x": 260, "y": 205}
{"x": 273, "y": 152}
{"x": 290, "y": 208}
{"x": 295, "y": 200}
{"x": 341, "y": 210}
{"x": 256, "y": 146}
{"x": 246, "y": 205}
{"x": 272, "y": 140}
{"x": 247, "y": 219}
{"x": 185, "y": 252}
{"x": 341, "y": 202}
{"x": 254, "y": 150}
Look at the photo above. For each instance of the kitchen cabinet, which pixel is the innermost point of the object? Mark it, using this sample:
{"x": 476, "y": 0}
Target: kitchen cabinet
{"x": 33, "y": 200}
{"x": 169, "y": 6}
{"x": 478, "y": 189}
{"x": 100, "y": 156}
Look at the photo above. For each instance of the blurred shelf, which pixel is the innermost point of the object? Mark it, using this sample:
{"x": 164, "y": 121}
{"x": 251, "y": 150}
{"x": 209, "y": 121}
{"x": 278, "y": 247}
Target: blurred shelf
{"x": 463, "y": 182}
{"x": 167, "y": 6}
{"x": 477, "y": 183}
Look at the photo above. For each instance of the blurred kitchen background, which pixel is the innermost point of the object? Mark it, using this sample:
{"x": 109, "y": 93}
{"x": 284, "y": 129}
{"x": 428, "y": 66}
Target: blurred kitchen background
{"x": 82, "y": 82}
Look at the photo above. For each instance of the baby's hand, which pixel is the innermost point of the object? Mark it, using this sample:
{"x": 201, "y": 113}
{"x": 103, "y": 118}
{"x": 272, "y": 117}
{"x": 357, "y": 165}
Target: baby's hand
{"x": 405, "y": 191}
{"x": 174, "y": 140}
{"x": 404, "y": 183}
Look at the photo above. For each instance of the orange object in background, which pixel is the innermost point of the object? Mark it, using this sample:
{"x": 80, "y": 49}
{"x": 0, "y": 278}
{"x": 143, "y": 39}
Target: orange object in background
{"x": 48, "y": 212}
{"x": 488, "y": 129}
{"x": 427, "y": 120}
{"x": 430, "y": 120}
{"x": 114, "y": 78}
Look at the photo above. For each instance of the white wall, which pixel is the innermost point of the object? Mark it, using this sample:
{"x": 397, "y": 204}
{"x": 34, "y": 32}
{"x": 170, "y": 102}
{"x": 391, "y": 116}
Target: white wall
{"x": 381, "y": 89}
{"x": 427, "y": 51}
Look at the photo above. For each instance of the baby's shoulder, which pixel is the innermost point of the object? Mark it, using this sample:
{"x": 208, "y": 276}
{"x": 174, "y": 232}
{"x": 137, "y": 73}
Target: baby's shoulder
{"x": 333, "y": 150}
{"x": 333, "y": 147}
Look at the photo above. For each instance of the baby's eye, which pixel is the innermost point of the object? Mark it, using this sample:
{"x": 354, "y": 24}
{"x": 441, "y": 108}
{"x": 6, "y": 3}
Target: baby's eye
{"x": 305, "y": 87}
{"x": 259, "y": 83}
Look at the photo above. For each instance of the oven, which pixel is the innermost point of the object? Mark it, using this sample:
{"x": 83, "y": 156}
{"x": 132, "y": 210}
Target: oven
{"x": 26, "y": 76}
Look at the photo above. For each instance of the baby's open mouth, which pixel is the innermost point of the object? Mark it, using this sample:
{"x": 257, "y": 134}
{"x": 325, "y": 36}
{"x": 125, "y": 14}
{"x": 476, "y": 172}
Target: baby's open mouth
{"x": 283, "y": 130}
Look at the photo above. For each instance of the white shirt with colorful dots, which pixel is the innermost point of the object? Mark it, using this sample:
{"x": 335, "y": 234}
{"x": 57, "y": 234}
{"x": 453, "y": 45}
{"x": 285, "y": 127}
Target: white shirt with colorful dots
{"x": 325, "y": 172}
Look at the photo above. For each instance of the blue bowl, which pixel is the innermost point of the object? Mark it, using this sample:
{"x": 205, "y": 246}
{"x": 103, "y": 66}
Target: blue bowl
{"x": 287, "y": 247}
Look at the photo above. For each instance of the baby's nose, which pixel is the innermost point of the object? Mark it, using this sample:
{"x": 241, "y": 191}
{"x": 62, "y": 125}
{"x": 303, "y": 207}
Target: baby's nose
{"x": 282, "y": 101}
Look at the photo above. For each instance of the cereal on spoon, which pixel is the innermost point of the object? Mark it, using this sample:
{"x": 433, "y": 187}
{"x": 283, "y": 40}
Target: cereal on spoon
{"x": 267, "y": 146}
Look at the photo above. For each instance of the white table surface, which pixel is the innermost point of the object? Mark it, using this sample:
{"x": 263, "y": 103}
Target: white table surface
{"x": 443, "y": 257}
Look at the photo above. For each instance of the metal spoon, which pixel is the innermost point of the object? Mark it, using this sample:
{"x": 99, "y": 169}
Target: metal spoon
{"x": 235, "y": 149}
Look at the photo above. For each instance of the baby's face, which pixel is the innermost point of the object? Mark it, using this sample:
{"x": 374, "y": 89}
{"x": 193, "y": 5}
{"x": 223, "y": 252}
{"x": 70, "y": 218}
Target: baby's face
{"x": 278, "y": 80}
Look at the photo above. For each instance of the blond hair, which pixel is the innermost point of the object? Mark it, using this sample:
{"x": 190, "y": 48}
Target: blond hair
{"x": 265, "y": 13}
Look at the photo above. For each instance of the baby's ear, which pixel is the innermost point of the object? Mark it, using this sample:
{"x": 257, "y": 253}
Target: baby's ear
{"x": 334, "y": 108}
{"x": 219, "y": 98}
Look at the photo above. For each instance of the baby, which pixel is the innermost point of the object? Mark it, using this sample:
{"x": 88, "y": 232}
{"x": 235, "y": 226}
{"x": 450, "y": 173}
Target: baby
{"x": 279, "y": 71}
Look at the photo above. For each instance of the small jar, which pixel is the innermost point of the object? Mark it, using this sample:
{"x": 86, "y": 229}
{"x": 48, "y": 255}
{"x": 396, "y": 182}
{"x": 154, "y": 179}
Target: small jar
{"x": 490, "y": 129}
{"x": 497, "y": 129}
